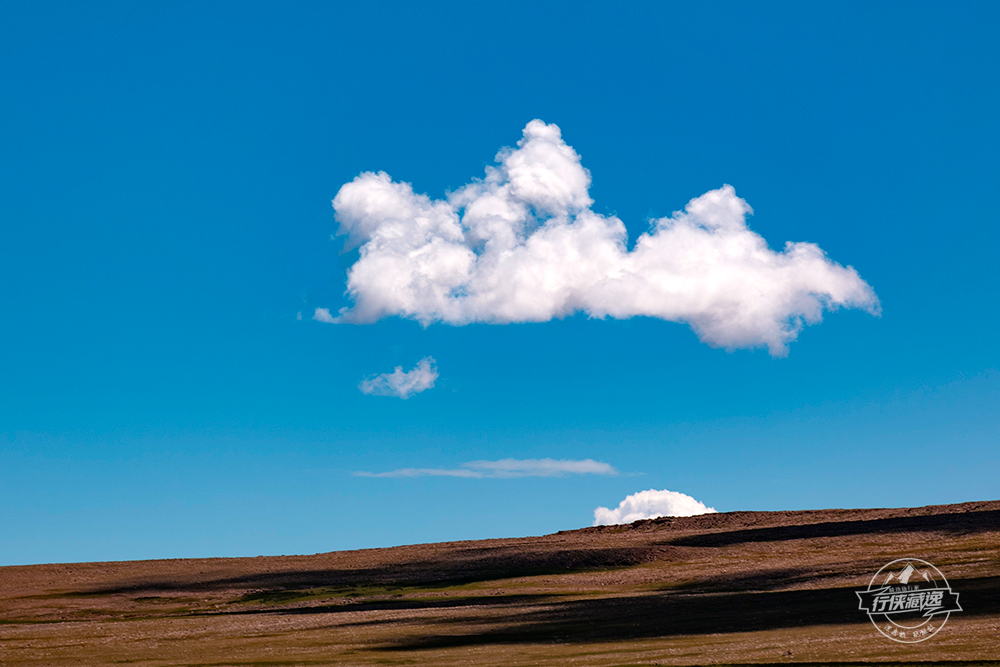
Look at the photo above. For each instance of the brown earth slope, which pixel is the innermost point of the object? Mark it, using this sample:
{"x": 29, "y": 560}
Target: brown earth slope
{"x": 741, "y": 587}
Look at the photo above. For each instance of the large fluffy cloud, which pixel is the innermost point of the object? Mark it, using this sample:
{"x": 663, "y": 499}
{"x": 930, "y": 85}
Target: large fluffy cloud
{"x": 523, "y": 245}
{"x": 400, "y": 383}
{"x": 649, "y": 505}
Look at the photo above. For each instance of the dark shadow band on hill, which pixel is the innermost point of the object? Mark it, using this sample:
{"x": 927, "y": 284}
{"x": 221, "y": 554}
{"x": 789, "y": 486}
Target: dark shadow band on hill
{"x": 474, "y": 564}
{"x": 968, "y": 523}
{"x": 398, "y": 604}
{"x": 672, "y": 614}
{"x": 466, "y": 566}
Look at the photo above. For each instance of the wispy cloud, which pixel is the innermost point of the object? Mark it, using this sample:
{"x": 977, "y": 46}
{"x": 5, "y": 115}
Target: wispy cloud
{"x": 402, "y": 384}
{"x": 422, "y": 472}
{"x": 506, "y": 468}
{"x": 649, "y": 505}
{"x": 523, "y": 245}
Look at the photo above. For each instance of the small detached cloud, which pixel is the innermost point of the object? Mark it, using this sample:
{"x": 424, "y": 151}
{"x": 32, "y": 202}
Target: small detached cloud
{"x": 399, "y": 383}
{"x": 323, "y": 315}
{"x": 505, "y": 468}
{"x": 650, "y": 505}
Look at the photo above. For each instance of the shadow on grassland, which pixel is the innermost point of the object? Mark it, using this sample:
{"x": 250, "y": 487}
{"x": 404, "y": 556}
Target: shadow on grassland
{"x": 458, "y": 567}
{"x": 671, "y": 614}
{"x": 966, "y": 524}
{"x": 397, "y": 604}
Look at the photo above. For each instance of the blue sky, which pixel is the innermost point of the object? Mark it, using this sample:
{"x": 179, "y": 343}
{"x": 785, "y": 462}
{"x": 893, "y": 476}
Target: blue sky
{"x": 165, "y": 206}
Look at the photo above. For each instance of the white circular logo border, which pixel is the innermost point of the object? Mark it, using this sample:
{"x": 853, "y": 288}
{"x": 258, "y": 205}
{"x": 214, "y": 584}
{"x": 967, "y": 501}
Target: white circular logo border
{"x": 908, "y": 629}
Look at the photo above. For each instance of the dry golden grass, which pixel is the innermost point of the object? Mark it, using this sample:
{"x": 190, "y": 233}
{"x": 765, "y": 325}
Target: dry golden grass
{"x": 737, "y": 588}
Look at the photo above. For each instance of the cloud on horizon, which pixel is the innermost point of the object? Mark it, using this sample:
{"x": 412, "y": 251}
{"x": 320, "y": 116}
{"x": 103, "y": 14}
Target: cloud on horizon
{"x": 505, "y": 468}
{"x": 523, "y": 245}
{"x": 402, "y": 384}
{"x": 649, "y": 505}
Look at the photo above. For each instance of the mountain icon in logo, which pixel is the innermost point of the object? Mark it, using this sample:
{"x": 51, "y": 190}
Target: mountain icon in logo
{"x": 906, "y": 574}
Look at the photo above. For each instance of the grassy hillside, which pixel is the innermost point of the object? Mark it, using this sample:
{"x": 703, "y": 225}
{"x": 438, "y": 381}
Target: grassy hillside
{"x": 736, "y": 588}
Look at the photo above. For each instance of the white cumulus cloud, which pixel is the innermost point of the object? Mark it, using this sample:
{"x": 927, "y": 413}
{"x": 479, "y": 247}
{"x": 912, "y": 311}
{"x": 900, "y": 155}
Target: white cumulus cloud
{"x": 649, "y": 505}
{"x": 523, "y": 245}
{"x": 506, "y": 468}
{"x": 400, "y": 383}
